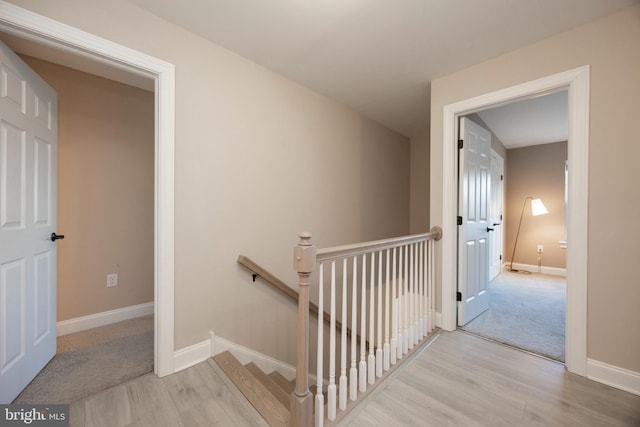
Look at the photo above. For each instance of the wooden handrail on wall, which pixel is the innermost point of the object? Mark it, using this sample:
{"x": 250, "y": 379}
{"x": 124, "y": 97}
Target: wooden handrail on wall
{"x": 281, "y": 286}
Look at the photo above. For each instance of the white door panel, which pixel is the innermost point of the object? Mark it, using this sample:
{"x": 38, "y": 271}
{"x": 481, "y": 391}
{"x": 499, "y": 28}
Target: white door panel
{"x": 473, "y": 233}
{"x": 28, "y": 172}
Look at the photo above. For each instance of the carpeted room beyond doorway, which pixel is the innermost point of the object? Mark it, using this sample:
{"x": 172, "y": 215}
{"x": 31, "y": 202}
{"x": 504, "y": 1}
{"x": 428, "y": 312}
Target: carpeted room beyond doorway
{"x": 525, "y": 311}
{"x": 93, "y": 360}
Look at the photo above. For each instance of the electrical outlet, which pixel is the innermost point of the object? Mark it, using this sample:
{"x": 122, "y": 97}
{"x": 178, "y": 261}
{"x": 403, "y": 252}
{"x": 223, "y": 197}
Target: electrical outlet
{"x": 112, "y": 280}
{"x": 540, "y": 249}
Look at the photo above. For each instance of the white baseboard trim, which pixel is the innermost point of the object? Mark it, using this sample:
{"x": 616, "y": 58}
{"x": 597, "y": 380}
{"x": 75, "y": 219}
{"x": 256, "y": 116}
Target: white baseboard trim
{"x": 91, "y": 321}
{"x": 192, "y": 355}
{"x": 614, "y": 376}
{"x": 554, "y": 271}
{"x": 246, "y": 355}
{"x": 199, "y": 352}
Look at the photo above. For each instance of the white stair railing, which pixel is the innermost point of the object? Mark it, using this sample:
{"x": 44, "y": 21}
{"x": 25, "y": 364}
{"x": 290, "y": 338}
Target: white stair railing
{"x": 396, "y": 307}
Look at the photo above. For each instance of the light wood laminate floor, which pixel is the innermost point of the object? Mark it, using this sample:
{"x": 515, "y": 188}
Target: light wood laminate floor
{"x": 199, "y": 396}
{"x": 459, "y": 380}
{"x": 465, "y": 380}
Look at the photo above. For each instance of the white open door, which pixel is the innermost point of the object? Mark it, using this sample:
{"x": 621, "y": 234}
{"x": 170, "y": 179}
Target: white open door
{"x": 28, "y": 183}
{"x": 495, "y": 214}
{"x": 474, "y": 226}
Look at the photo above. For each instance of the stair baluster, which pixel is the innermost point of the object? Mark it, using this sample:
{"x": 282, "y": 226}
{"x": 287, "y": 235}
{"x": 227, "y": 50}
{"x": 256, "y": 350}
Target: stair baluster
{"x": 371, "y": 361}
{"x": 418, "y": 319}
{"x": 353, "y": 372}
{"x": 343, "y": 341}
{"x": 319, "y": 407}
{"x": 387, "y": 344}
{"x": 400, "y": 303}
{"x": 412, "y": 305}
{"x": 362, "y": 369}
{"x": 331, "y": 389}
{"x": 379, "y": 317}
{"x": 394, "y": 313}
{"x": 406, "y": 320}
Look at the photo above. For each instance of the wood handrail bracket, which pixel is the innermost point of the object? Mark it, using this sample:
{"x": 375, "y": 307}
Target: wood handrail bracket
{"x": 278, "y": 284}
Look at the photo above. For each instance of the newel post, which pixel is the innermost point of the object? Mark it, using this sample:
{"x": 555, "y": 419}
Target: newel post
{"x": 304, "y": 259}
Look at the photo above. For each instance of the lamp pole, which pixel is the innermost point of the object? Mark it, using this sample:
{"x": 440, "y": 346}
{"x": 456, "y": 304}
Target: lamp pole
{"x": 518, "y": 233}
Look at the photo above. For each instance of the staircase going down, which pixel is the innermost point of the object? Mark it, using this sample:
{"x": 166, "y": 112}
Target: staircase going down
{"x": 268, "y": 393}
{"x": 397, "y": 311}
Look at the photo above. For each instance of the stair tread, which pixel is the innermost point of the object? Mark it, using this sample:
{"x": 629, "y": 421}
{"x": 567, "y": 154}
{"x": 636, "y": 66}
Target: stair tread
{"x": 283, "y": 382}
{"x": 271, "y": 385}
{"x": 273, "y": 411}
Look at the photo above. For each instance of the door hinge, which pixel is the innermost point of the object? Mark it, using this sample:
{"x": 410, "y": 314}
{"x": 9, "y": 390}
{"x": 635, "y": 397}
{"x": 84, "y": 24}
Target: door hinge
{"x": 500, "y": 217}
{"x": 501, "y": 177}
{"x": 460, "y": 144}
{"x": 500, "y": 257}
{"x": 458, "y": 296}
{"x": 459, "y": 220}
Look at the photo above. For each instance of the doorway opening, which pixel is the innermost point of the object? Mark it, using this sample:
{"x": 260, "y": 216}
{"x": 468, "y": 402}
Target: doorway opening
{"x": 576, "y": 81}
{"x": 71, "y": 42}
{"x": 526, "y": 311}
{"x": 105, "y": 187}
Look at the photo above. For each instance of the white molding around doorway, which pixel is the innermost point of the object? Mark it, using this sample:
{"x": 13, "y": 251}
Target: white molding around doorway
{"x": 28, "y": 25}
{"x": 577, "y": 83}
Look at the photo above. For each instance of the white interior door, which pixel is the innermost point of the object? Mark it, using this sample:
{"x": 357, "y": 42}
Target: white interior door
{"x": 28, "y": 178}
{"x": 496, "y": 214}
{"x": 473, "y": 211}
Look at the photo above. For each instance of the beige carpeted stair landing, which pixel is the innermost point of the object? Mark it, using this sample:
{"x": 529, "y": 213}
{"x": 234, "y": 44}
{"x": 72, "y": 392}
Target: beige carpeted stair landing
{"x": 269, "y": 394}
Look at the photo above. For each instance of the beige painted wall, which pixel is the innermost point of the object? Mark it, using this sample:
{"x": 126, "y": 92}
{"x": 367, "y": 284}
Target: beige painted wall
{"x": 536, "y": 171}
{"x": 610, "y": 47}
{"x": 258, "y": 159}
{"x": 420, "y": 183}
{"x": 105, "y": 191}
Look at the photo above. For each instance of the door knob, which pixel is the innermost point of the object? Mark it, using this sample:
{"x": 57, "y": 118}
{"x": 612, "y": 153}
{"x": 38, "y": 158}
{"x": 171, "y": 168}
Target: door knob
{"x": 55, "y": 236}
{"x": 489, "y": 229}
{"x": 496, "y": 223}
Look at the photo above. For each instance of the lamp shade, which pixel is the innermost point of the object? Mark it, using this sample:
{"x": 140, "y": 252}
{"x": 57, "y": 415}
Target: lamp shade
{"x": 538, "y": 208}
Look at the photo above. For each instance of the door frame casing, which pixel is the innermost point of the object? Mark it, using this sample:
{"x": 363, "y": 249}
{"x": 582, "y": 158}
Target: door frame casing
{"x": 42, "y": 30}
{"x": 502, "y": 187}
{"x": 577, "y": 83}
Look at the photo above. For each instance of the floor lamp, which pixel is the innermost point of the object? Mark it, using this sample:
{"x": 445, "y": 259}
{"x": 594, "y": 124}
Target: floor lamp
{"x": 537, "y": 208}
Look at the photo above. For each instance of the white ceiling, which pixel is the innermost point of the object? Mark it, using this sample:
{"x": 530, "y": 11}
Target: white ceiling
{"x": 539, "y": 120}
{"x": 377, "y": 56}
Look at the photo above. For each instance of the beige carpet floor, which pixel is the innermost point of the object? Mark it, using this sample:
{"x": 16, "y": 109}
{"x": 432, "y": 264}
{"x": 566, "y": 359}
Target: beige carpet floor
{"x": 525, "y": 311}
{"x": 90, "y": 361}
